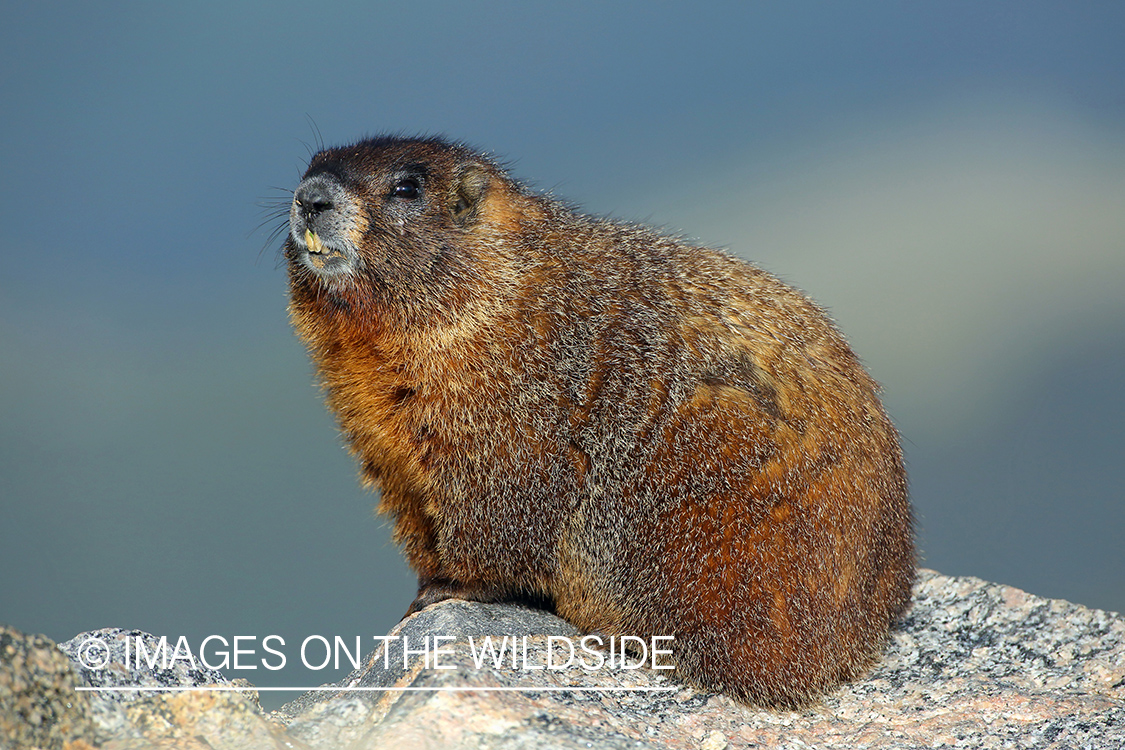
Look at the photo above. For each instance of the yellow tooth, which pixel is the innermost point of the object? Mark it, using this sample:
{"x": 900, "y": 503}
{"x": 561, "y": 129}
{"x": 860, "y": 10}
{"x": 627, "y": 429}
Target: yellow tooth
{"x": 313, "y": 241}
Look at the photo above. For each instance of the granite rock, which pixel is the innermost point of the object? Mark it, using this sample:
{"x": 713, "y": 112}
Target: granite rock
{"x": 39, "y": 707}
{"x": 972, "y": 665}
{"x": 167, "y": 714}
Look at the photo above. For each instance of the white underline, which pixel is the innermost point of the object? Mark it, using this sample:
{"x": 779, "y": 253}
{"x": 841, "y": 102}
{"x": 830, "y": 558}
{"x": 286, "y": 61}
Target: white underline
{"x": 321, "y": 689}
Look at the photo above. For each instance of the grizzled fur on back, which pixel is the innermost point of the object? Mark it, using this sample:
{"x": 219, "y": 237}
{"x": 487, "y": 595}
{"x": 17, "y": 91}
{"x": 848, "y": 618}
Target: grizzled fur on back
{"x": 657, "y": 438}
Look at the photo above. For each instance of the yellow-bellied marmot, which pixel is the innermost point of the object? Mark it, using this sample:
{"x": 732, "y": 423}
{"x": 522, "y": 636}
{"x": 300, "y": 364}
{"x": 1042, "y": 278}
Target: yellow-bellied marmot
{"x": 658, "y": 438}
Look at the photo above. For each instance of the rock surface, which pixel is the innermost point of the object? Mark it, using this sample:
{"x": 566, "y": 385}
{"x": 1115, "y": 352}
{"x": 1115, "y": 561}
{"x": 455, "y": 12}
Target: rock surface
{"x": 973, "y": 665}
{"x": 39, "y": 706}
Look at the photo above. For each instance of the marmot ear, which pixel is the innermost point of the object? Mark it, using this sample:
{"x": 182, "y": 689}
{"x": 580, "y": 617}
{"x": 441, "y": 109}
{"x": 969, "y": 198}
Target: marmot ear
{"x": 472, "y": 183}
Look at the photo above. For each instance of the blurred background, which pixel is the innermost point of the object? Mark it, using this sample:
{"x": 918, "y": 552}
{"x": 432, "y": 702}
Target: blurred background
{"x": 948, "y": 179}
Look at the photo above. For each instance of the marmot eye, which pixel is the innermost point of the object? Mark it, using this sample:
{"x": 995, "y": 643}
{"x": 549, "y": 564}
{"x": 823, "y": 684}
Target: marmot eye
{"x": 407, "y": 189}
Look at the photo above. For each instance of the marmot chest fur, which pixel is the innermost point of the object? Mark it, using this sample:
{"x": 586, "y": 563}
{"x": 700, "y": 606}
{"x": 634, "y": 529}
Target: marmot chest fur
{"x": 657, "y": 438}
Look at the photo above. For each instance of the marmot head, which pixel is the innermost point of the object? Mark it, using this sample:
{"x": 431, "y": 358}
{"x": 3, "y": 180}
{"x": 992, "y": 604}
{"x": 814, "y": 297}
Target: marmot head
{"x": 389, "y": 216}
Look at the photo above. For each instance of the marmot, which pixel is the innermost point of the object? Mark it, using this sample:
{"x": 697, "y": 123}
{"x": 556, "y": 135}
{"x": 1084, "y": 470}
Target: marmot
{"x": 653, "y": 437}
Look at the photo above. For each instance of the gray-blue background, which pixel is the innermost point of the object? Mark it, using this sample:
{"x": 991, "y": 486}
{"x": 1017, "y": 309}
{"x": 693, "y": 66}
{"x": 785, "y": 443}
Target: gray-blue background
{"x": 947, "y": 178}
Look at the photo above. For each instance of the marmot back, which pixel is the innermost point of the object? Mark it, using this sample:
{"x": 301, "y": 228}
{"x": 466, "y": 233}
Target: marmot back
{"x": 656, "y": 437}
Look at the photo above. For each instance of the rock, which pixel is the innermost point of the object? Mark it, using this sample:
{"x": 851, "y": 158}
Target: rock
{"x": 110, "y": 658}
{"x": 122, "y": 667}
{"x": 973, "y": 665}
{"x": 333, "y": 719}
{"x": 39, "y": 707}
{"x": 127, "y": 719}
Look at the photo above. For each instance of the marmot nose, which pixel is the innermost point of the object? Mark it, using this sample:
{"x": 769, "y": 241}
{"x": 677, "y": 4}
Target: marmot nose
{"x": 313, "y": 198}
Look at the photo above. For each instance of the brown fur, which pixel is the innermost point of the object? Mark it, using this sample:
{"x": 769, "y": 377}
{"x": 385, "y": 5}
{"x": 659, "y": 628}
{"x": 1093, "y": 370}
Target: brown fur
{"x": 658, "y": 438}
